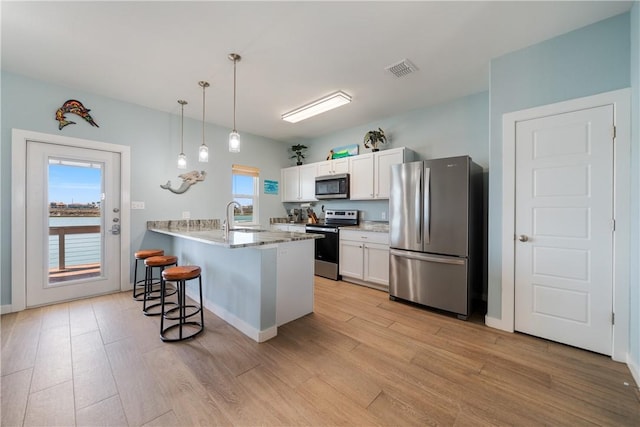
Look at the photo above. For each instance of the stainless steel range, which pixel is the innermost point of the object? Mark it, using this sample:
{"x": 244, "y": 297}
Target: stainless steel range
{"x": 327, "y": 251}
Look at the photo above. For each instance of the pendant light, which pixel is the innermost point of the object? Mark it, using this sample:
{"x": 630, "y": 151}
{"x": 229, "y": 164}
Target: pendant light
{"x": 234, "y": 136}
{"x": 203, "y": 152}
{"x": 182, "y": 159}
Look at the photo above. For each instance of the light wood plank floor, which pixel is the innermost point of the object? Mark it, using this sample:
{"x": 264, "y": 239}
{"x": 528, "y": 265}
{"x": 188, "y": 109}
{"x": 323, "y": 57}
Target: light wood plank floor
{"x": 359, "y": 359}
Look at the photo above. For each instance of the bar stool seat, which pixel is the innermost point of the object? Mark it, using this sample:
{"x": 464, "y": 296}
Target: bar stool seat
{"x": 141, "y": 255}
{"x": 151, "y": 291}
{"x": 183, "y": 311}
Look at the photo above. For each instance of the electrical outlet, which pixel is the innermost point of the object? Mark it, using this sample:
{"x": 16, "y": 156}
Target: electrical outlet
{"x": 186, "y": 215}
{"x": 137, "y": 205}
{"x": 383, "y": 215}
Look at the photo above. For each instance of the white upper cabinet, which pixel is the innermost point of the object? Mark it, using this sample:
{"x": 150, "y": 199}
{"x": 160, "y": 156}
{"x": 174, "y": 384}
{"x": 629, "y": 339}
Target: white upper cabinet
{"x": 361, "y": 170}
{"x": 299, "y": 183}
{"x": 370, "y": 172}
{"x": 332, "y": 167}
{"x": 382, "y": 170}
{"x": 308, "y": 182}
{"x": 290, "y": 178}
{"x": 369, "y": 175}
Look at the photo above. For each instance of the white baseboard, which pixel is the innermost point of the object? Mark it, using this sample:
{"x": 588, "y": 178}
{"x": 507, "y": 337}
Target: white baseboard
{"x": 635, "y": 370}
{"x": 492, "y": 322}
{"x": 7, "y": 308}
{"x": 253, "y": 333}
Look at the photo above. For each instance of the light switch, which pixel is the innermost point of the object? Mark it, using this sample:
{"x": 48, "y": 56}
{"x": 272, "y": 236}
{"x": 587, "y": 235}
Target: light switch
{"x": 186, "y": 215}
{"x": 137, "y": 205}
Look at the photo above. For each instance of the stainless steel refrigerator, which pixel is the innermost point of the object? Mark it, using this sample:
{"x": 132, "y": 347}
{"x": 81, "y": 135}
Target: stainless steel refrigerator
{"x": 435, "y": 223}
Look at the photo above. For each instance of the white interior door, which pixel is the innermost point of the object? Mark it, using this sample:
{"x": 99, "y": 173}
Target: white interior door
{"x": 72, "y": 222}
{"x": 564, "y": 228}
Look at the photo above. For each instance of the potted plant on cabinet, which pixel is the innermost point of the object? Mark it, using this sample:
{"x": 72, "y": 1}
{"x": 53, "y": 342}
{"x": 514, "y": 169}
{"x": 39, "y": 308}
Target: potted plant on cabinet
{"x": 298, "y": 153}
{"x": 373, "y": 138}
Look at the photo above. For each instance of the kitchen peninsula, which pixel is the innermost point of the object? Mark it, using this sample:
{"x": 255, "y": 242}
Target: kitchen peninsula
{"x": 256, "y": 280}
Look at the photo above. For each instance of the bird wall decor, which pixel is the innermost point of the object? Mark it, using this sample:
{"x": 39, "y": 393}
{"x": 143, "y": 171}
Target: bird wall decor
{"x": 74, "y": 107}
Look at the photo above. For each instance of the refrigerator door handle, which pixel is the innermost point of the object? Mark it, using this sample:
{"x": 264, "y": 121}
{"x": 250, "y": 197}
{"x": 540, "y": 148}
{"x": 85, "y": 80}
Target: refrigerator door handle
{"x": 418, "y": 213}
{"x": 427, "y": 206}
{"x": 425, "y": 257}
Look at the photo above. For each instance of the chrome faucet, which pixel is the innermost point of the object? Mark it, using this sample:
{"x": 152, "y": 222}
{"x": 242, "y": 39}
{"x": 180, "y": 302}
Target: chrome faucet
{"x": 226, "y": 226}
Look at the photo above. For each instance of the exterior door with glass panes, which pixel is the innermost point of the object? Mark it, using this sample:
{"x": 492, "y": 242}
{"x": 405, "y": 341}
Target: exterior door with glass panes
{"x": 72, "y": 223}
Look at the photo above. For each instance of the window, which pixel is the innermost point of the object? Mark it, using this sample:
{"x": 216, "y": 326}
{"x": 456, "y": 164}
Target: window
{"x": 245, "y": 185}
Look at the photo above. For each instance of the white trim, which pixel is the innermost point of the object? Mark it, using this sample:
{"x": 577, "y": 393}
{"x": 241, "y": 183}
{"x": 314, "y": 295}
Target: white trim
{"x": 496, "y": 323}
{"x": 19, "y": 140}
{"x": 253, "y": 333}
{"x": 634, "y": 369}
{"x": 7, "y": 308}
{"x": 621, "y": 101}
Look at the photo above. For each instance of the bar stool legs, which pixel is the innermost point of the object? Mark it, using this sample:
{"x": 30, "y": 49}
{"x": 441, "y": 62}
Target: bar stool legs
{"x": 151, "y": 291}
{"x": 142, "y": 255}
{"x": 183, "y": 312}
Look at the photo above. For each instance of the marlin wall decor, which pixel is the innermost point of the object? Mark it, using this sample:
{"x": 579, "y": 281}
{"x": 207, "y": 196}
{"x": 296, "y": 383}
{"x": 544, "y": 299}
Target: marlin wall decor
{"x": 74, "y": 107}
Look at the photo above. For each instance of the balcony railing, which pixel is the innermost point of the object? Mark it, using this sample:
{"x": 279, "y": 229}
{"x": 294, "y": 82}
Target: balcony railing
{"x": 78, "y": 250}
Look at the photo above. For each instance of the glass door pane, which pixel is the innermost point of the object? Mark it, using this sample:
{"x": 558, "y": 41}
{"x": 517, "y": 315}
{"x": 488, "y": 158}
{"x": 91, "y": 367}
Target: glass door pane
{"x": 75, "y": 190}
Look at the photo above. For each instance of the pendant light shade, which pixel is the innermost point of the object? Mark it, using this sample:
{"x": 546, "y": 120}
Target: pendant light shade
{"x": 234, "y": 142}
{"x": 234, "y": 136}
{"x": 203, "y": 152}
{"x": 182, "y": 159}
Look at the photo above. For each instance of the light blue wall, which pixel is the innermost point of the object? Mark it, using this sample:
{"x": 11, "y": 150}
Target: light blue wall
{"x": 456, "y": 128}
{"x": 634, "y": 342}
{"x": 154, "y": 138}
{"x": 584, "y": 62}
{"x": 241, "y": 281}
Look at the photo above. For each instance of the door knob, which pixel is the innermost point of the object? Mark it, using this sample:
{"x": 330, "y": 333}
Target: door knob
{"x": 523, "y": 238}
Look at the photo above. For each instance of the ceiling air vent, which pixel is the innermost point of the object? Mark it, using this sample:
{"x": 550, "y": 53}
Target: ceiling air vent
{"x": 402, "y": 68}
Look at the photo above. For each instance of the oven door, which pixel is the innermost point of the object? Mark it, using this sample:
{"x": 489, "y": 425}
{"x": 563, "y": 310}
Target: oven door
{"x": 326, "y": 251}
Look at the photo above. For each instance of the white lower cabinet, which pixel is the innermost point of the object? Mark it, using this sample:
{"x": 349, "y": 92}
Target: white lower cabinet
{"x": 376, "y": 264}
{"x": 364, "y": 258}
{"x": 351, "y": 259}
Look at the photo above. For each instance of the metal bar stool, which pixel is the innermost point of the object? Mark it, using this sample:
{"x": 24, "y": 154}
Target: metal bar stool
{"x": 151, "y": 291}
{"x": 183, "y": 311}
{"x": 141, "y": 255}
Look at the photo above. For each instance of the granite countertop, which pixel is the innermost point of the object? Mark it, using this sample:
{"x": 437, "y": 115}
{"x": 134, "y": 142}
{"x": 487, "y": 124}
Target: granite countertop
{"x": 237, "y": 238}
{"x": 375, "y": 226}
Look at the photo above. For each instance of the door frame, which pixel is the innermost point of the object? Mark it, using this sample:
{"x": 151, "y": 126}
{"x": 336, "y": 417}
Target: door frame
{"x": 19, "y": 140}
{"x": 621, "y": 101}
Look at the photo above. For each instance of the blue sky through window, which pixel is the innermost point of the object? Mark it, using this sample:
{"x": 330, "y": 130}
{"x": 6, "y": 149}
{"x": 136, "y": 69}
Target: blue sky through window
{"x": 242, "y": 184}
{"x": 74, "y": 184}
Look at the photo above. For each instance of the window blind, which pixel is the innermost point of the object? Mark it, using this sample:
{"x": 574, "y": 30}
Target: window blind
{"x": 245, "y": 170}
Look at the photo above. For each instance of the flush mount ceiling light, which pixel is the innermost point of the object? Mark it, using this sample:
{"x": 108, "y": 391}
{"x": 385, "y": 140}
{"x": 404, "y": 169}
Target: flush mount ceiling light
{"x": 234, "y": 136}
{"x": 203, "y": 152}
{"x": 182, "y": 159}
{"x": 329, "y": 102}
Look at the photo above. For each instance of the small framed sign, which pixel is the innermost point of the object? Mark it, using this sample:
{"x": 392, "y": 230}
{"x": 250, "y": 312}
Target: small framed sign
{"x": 270, "y": 187}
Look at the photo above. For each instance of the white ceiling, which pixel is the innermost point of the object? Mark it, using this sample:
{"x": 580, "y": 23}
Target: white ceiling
{"x": 154, "y": 53}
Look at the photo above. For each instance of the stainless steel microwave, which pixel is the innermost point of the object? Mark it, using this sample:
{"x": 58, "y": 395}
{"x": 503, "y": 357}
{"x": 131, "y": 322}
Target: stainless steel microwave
{"x": 332, "y": 186}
